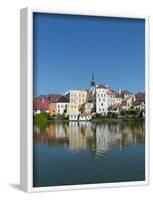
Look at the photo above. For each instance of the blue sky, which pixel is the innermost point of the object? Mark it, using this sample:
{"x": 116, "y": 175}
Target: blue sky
{"x": 68, "y": 48}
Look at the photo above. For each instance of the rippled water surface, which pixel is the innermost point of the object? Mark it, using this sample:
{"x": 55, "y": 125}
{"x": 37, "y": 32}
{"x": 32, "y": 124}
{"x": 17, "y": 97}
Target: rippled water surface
{"x": 86, "y": 152}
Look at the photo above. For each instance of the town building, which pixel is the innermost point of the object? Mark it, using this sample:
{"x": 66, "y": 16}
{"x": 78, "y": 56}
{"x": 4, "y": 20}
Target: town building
{"x": 82, "y": 104}
{"x": 57, "y": 105}
{"x": 125, "y": 94}
{"x": 110, "y": 98}
{"x": 101, "y": 99}
{"x": 128, "y": 102}
{"x": 40, "y": 104}
{"x": 76, "y": 98}
{"x": 139, "y": 105}
{"x": 62, "y": 105}
{"x": 52, "y": 106}
{"x": 118, "y": 98}
{"x": 87, "y": 108}
{"x": 140, "y": 101}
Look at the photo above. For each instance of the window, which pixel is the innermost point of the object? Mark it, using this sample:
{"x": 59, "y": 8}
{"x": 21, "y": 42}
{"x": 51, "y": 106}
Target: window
{"x": 58, "y": 106}
{"x": 99, "y": 99}
{"x": 103, "y": 99}
{"x": 101, "y": 95}
{"x": 99, "y": 109}
{"x": 71, "y": 106}
{"x": 102, "y": 104}
{"x": 103, "y": 109}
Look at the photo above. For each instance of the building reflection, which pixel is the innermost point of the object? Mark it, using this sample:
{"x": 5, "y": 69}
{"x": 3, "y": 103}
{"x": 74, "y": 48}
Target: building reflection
{"x": 98, "y": 138}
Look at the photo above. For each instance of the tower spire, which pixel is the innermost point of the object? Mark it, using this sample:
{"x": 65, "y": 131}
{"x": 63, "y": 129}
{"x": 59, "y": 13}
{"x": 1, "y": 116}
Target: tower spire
{"x": 93, "y": 80}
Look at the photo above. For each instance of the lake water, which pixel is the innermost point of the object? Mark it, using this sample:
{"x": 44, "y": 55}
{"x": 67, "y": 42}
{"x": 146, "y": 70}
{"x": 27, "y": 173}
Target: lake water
{"x": 86, "y": 152}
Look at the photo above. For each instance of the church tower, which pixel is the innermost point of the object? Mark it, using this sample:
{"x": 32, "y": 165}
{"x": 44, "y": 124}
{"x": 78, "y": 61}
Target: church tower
{"x": 93, "y": 83}
{"x": 93, "y": 91}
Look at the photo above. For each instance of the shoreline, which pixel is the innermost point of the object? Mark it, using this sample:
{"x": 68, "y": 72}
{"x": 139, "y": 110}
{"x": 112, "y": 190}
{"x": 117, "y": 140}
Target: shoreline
{"x": 98, "y": 120}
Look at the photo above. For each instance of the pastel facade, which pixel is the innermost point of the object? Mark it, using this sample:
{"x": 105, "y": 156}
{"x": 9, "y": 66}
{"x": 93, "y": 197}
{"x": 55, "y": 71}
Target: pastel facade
{"x": 82, "y": 104}
{"x": 72, "y": 108}
{"x": 58, "y": 105}
{"x": 76, "y": 98}
{"x": 87, "y": 108}
{"x": 52, "y": 108}
{"x": 118, "y": 99}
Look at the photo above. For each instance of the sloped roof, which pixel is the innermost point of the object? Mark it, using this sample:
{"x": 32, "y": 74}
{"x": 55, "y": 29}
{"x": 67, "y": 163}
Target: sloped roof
{"x": 101, "y": 86}
{"x": 62, "y": 99}
{"x": 40, "y": 103}
{"x": 109, "y": 92}
{"x": 53, "y": 98}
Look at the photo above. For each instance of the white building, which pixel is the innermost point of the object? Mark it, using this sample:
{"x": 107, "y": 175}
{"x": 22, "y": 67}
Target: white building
{"x": 110, "y": 98}
{"x": 61, "y": 105}
{"x": 101, "y": 99}
{"x": 80, "y": 117}
{"x": 85, "y": 117}
{"x": 73, "y": 117}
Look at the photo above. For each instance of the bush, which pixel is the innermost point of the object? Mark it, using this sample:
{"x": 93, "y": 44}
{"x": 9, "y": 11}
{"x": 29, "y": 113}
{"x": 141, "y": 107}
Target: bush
{"x": 41, "y": 118}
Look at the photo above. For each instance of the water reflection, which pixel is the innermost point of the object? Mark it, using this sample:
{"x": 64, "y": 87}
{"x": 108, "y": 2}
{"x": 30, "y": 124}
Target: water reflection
{"x": 98, "y": 138}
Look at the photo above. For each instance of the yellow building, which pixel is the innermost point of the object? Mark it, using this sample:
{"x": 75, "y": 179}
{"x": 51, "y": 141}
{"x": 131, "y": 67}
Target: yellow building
{"x": 72, "y": 108}
{"x": 87, "y": 108}
{"x": 52, "y": 108}
{"x": 76, "y": 99}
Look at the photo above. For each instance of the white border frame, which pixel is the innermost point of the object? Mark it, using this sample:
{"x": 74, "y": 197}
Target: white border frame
{"x": 26, "y": 96}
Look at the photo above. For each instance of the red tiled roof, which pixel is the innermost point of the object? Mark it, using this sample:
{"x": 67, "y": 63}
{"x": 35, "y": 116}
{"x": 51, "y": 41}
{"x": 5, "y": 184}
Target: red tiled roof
{"x": 101, "y": 86}
{"x": 40, "y": 103}
{"x": 109, "y": 92}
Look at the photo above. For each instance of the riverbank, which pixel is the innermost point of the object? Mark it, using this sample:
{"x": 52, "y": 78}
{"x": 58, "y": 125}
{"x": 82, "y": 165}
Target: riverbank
{"x": 43, "y": 119}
